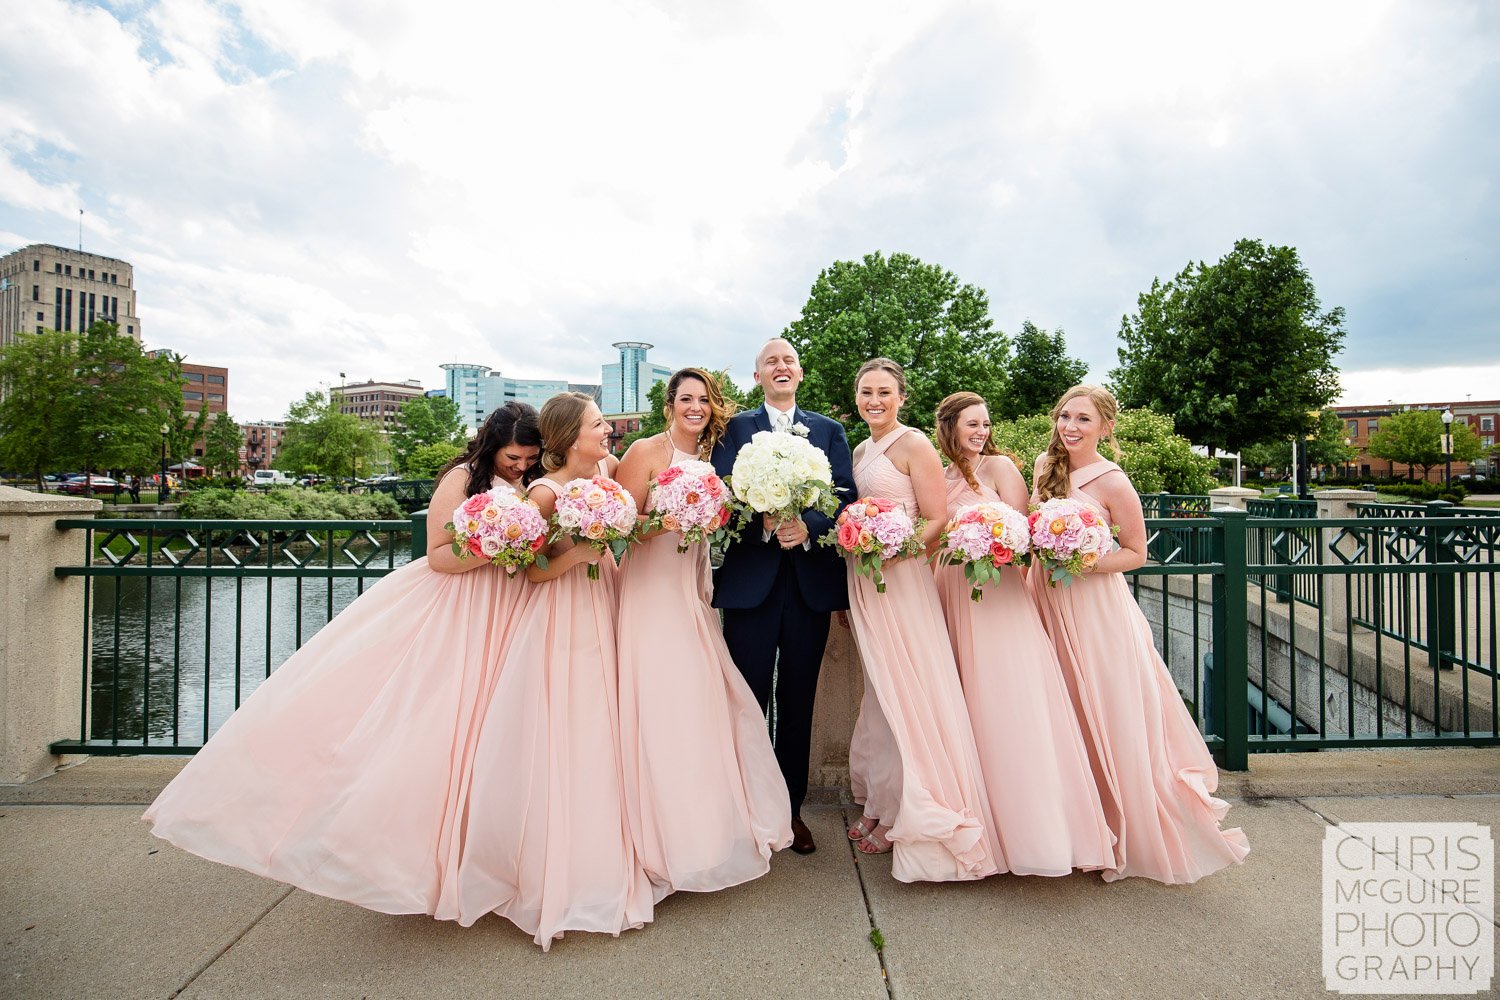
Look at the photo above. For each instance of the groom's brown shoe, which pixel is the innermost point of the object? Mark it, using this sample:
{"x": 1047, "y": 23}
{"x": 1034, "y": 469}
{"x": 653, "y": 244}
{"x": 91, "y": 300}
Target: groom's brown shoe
{"x": 802, "y": 839}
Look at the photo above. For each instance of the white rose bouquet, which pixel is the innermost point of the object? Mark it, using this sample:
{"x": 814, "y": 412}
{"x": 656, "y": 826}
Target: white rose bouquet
{"x": 782, "y": 475}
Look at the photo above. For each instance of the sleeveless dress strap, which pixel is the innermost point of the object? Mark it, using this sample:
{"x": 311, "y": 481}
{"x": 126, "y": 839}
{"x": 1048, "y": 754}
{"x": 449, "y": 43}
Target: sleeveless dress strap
{"x": 1082, "y": 477}
{"x": 551, "y": 484}
{"x": 874, "y": 449}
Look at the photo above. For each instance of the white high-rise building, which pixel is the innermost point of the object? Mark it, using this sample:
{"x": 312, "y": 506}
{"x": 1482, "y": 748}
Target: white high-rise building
{"x": 44, "y": 287}
{"x": 479, "y": 390}
{"x": 625, "y": 384}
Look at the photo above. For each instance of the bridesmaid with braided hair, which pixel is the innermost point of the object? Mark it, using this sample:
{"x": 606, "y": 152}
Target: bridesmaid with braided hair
{"x": 1155, "y": 775}
{"x": 1045, "y": 804}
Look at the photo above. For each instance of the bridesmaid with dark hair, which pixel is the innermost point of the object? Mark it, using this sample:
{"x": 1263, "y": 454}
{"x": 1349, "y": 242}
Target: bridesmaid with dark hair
{"x": 912, "y": 760}
{"x": 1156, "y": 777}
{"x": 350, "y": 771}
{"x": 1045, "y": 804}
{"x": 707, "y": 803}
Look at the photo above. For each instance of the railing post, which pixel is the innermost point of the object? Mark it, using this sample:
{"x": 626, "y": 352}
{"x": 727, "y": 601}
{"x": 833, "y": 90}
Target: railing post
{"x": 1230, "y": 717}
{"x": 418, "y": 534}
{"x": 1441, "y": 621}
{"x": 1231, "y": 496}
{"x": 41, "y": 617}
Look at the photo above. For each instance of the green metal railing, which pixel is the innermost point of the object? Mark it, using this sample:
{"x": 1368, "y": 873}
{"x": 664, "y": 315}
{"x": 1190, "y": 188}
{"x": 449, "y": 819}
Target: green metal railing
{"x": 187, "y": 617}
{"x": 411, "y": 494}
{"x": 183, "y": 619}
{"x": 1289, "y": 546}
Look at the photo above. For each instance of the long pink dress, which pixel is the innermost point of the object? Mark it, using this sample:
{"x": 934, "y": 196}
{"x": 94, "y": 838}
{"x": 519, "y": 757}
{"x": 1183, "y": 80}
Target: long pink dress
{"x": 706, "y": 800}
{"x": 554, "y": 853}
{"x": 1156, "y": 777}
{"x": 912, "y": 760}
{"x": 350, "y": 771}
{"x": 1045, "y": 804}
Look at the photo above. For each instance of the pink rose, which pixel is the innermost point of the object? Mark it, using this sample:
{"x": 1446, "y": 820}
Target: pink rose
{"x": 668, "y": 474}
{"x": 848, "y": 535}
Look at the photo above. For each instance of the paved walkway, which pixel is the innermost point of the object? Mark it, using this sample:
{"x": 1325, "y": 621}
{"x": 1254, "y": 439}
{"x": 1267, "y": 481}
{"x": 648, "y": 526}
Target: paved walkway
{"x": 93, "y": 906}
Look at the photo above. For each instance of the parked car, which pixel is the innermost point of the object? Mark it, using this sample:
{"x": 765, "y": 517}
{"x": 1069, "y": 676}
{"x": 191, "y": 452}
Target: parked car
{"x": 270, "y": 477}
{"x": 311, "y": 481}
{"x": 80, "y": 485}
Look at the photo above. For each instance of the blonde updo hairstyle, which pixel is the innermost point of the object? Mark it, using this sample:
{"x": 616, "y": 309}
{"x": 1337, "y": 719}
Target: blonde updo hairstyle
{"x": 1053, "y": 479}
{"x": 948, "y": 412}
{"x": 719, "y": 408}
{"x": 890, "y": 368}
{"x": 560, "y": 421}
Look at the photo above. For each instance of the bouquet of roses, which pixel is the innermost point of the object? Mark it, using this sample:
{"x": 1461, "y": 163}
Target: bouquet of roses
{"x": 873, "y": 529}
{"x": 1067, "y": 538}
{"x": 596, "y": 511}
{"x": 782, "y": 474}
{"x": 984, "y": 538}
{"x": 501, "y": 527}
{"x": 690, "y": 499}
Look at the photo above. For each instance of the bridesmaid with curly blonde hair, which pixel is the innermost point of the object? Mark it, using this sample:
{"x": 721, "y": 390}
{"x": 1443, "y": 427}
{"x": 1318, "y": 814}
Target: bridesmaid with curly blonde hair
{"x": 1155, "y": 775}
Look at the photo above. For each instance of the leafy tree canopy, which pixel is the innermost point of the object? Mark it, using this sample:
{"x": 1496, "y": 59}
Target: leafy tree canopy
{"x": 221, "y": 447}
{"x": 1324, "y": 448}
{"x": 1156, "y": 458}
{"x": 1415, "y": 439}
{"x": 424, "y": 461}
{"x": 321, "y": 439}
{"x": 1237, "y": 352}
{"x": 898, "y": 307}
{"x": 425, "y": 420}
{"x": 1040, "y": 373}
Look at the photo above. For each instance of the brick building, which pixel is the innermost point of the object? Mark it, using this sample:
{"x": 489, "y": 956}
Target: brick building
{"x": 1360, "y": 422}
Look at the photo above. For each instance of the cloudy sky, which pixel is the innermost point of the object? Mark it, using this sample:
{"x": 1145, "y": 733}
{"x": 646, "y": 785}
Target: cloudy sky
{"x": 308, "y": 187}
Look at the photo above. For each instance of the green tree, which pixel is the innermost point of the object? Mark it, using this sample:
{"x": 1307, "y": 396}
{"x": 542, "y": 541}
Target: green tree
{"x": 425, "y": 420}
{"x": 1237, "y": 352}
{"x": 114, "y": 413}
{"x": 1156, "y": 457}
{"x": 1040, "y": 372}
{"x": 1325, "y": 448}
{"x": 1466, "y": 446}
{"x": 655, "y": 420}
{"x": 913, "y": 313}
{"x": 37, "y": 373}
{"x": 1412, "y": 437}
{"x": 221, "y": 447}
{"x": 425, "y": 460}
{"x": 321, "y": 439}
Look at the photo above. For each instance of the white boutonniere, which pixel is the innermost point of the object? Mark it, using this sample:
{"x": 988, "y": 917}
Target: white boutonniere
{"x": 800, "y": 429}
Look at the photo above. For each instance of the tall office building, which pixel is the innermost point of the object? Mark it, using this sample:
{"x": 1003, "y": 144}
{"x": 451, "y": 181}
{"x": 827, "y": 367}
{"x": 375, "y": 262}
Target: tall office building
{"x": 479, "y": 390}
{"x": 625, "y": 384}
{"x": 44, "y": 287}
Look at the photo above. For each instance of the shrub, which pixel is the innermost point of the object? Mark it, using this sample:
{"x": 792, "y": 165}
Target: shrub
{"x": 293, "y": 503}
{"x": 1425, "y": 492}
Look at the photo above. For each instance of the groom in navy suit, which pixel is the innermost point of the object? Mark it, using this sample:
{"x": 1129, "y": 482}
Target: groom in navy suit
{"x": 777, "y": 586}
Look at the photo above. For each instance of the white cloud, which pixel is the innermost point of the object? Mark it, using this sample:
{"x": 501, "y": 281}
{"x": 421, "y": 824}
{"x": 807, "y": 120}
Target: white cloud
{"x": 315, "y": 186}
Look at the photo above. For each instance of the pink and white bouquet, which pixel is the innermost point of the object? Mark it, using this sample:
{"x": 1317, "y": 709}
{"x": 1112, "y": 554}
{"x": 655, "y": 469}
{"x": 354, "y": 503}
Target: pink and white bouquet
{"x": 782, "y": 474}
{"x": 689, "y": 498}
{"x": 1068, "y": 538}
{"x": 873, "y": 529}
{"x": 984, "y": 538}
{"x": 596, "y": 511}
{"x": 500, "y": 527}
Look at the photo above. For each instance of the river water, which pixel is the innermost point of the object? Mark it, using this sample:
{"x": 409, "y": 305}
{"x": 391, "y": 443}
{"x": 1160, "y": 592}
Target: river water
{"x": 174, "y": 656}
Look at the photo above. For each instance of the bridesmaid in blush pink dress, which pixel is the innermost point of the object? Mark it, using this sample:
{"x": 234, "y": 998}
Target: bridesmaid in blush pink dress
{"x": 1045, "y": 804}
{"x": 705, "y": 796}
{"x": 912, "y": 760}
{"x": 350, "y": 771}
{"x": 1156, "y": 777}
{"x": 555, "y": 853}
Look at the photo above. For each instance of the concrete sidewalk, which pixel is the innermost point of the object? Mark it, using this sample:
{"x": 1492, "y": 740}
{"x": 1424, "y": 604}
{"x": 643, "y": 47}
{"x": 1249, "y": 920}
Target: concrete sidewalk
{"x": 92, "y": 906}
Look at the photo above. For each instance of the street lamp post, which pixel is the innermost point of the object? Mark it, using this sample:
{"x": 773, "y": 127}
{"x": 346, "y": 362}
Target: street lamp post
{"x": 1348, "y": 460}
{"x": 1447, "y": 446}
{"x": 163, "y": 491}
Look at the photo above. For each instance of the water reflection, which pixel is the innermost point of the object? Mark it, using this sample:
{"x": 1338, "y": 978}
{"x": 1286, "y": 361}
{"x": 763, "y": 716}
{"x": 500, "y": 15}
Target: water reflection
{"x": 174, "y": 656}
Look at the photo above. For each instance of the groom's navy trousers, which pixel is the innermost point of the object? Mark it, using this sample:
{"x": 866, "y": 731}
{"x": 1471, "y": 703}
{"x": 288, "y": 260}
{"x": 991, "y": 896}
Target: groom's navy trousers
{"x": 777, "y": 602}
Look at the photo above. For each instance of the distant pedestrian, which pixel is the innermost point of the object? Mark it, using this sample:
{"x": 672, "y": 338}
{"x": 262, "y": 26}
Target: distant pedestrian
{"x": 134, "y": 488}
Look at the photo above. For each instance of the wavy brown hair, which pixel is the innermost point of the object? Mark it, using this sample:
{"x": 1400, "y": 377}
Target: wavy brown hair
{"x": 719, "y": 408}
{"x": 1053, "y": 479}
{"x": 513, "y": 423}
{"x": 947, "y": 415}
{"x": 560, "y": 421}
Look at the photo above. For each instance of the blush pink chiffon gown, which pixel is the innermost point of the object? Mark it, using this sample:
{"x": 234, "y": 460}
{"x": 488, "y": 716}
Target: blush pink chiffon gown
{"x": 1156, "y": 777}
{"x": 554, "y": 852}
{"x": 705, "y": 797}
{"x": 912, "y": 760}
{"x": 351, "y": 771}
{"x": 1042, "y": 795}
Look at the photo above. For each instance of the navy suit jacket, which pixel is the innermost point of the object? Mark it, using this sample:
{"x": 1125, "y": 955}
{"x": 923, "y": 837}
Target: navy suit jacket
{"x": 750, "y": 564}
